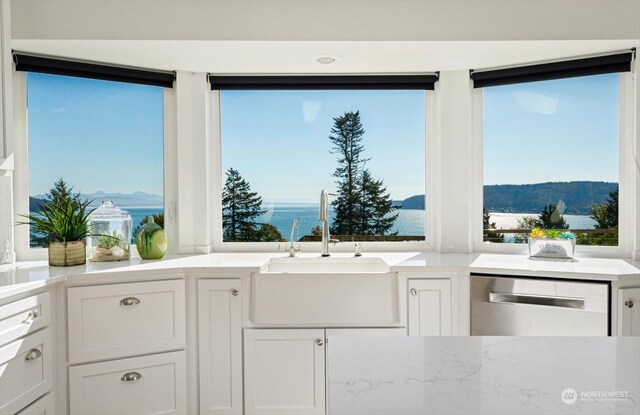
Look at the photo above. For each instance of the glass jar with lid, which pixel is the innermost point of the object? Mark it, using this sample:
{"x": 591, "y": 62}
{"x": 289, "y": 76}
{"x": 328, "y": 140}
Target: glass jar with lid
{"x": 110, "y": 238}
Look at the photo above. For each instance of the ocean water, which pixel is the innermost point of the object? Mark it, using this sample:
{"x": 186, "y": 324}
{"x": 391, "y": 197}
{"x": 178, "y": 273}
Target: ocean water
{"x": 410, "y": 221}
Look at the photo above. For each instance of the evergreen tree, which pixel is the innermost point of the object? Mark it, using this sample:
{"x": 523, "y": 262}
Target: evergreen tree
{"x": 374, "y": 207}
{"x": 346, "y": 137}
{"x": 551, "y": 218}
{"x": 486, "y": 225}
{"x": 240, "y": 208}
{"x": 606, "y": 216}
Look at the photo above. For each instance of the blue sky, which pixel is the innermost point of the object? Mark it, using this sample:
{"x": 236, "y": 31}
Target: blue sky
{"x": 108, "y": 136}
{"x": 97, "y": 135}
{"x": 278, "y": 140}
{"x": 560, "y": 130}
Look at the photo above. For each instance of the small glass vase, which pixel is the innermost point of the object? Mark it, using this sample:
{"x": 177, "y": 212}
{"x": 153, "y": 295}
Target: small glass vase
{"x": 151, "y": 240}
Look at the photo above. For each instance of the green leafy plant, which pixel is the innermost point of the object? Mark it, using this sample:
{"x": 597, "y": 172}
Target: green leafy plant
{"x": 108, "y": 241}
{"x": 63, "y": 217}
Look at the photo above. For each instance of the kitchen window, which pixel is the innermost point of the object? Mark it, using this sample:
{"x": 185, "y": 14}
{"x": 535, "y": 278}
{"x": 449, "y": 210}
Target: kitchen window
{"x": 103, "y": 138}
{"x": 281, "y": 144}
{"x": 553, "y": 150}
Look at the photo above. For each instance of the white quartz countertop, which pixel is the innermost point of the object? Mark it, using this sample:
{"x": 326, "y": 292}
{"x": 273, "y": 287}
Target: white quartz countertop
{"x": 24, "y": 276}
{"x": 483, "y": 375}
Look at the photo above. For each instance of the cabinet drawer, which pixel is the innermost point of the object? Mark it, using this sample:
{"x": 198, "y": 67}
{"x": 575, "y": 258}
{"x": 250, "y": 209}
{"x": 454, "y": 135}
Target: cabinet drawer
{"x": 111, "y": 321}
{"x": 43, "y": 406}
{"x": 25, "y": 316}
{"x": 26, "y": 371}
{"x": 153, "y": 384}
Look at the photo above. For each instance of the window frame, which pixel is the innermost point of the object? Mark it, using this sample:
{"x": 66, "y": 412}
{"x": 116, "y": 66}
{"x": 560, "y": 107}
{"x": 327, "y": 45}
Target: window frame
{"x": 430, "y": 180}
{"x": 24, "y": 252}
{"x": 626, "y": 171}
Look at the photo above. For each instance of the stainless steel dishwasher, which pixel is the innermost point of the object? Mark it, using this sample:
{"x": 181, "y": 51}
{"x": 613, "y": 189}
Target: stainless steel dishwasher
{"x": 521, "y": 306}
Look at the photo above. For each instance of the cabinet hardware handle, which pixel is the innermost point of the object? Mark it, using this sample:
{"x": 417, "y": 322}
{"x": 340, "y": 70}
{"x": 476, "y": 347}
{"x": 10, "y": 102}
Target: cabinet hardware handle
{"x": 413, "y": 291}
{"x": 33, "y": 355}
{"x": 234, "y": 292}
{"x": 129, "y": 301}
{"x": 33, "y": 314}
{"x": 319, "y": 342}
{"x": 130, "y": 377}
{"x": 629, "y": 303}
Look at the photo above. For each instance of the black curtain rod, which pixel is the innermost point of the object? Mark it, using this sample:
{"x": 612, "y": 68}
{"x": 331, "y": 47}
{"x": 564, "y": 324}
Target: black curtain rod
{"x": 60, "y": 66}
{"x": 620, "y": 62}
{"x": 323, "y": 82}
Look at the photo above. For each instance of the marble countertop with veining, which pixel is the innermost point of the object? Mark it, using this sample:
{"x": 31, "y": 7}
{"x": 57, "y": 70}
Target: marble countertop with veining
{"x": 483, "y": 375}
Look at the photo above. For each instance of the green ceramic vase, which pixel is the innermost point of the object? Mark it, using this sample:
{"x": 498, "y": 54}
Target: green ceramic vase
{"x": 151, "y": 240}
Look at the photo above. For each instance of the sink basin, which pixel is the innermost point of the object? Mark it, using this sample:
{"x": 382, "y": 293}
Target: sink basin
{"x": 325, "y": 292}
{"x": 325, "y": 265}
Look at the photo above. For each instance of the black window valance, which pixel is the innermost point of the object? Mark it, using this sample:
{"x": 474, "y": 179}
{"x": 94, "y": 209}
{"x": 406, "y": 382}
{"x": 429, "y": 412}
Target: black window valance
{"x": 308, "y": 82}
{"x": 620, "y": 62}
{"x": 61, "y": 66}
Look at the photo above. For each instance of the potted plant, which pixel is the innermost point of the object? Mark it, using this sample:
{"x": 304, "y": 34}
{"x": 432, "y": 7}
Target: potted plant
{"x": 63, "y": 220}
{"x": 551, "y": 243}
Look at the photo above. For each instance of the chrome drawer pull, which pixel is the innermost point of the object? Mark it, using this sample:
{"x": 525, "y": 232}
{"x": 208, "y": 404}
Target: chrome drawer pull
{"x": 234, "y": 292}
{"x": 130, "y": 377}
{"x": 129, "y": 301}
{"x": 33, "y": 314}
{"x": 629, "y": 303}
{"x": 319, "y": 342}
{"x": 413, "y": 291}
{"x": 33, "y": 355}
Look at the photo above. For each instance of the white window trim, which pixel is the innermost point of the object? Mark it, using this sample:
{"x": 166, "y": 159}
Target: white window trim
{"x": 24, "y": 252}
{"x": 431, "y": 180}
{"x": 627, "y": 180}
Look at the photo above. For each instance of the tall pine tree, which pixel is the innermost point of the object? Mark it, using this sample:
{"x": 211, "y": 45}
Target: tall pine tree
{"x": 362, "y": 204}
{"x": 374, "y": 207}
{"x": 346, "y": 137}
{"x": 240, "y": 208}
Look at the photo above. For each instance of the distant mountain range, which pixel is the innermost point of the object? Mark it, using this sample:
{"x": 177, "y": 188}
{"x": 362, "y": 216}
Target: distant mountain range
{"x": 531, "y": 198}
{"x": 119, "y": 199}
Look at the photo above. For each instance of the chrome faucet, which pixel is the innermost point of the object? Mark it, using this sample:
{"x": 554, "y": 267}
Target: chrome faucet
{"x": 323, "y": 216}
{"x": 291, "y": 249}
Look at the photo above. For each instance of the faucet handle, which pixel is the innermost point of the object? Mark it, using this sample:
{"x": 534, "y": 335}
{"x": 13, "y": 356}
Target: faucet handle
{"x": 335, "y": 241}
{"x": 358, "y": 249}
{"x": 291, "y": 249}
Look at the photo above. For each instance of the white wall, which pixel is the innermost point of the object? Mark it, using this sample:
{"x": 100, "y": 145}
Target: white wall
{"x": 6, "y": 134}
{"x": 327, "y": 19}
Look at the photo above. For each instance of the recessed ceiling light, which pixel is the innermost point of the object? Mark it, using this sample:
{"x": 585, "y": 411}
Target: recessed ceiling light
{"x": 327, "y": 59}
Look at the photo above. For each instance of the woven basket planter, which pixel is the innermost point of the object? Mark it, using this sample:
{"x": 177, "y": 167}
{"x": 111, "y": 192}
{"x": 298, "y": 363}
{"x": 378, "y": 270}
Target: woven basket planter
{"x": 67, "y": 254}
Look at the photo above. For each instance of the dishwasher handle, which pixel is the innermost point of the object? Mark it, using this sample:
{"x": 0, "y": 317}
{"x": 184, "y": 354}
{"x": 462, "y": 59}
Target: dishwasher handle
{"x": 534, "y": 299}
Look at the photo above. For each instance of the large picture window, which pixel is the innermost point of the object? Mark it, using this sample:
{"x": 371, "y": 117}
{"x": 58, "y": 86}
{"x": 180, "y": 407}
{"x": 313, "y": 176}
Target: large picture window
{"x": 551, "y": 159}
{"x": 103, "y": 138}
{"x": 280, "y": 148}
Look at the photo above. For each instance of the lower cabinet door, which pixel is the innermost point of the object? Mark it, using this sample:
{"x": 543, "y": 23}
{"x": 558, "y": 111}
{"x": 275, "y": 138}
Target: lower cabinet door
{"x": 429, "y": 307}
{"x": 25, "y": 371}
{"x": 43, "y": 406}
{"x": 284, "y": 371}
{"x": 155, "y": 384}
{"x": 629, "y": 312}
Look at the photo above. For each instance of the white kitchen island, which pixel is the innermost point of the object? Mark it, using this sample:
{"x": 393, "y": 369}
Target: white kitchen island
{"x": 483, "y": 375}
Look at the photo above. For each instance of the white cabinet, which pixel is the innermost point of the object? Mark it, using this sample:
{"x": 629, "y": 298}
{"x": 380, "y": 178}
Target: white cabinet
{"x": 26, "y": 367}
{"x": 284, "y": 371}
{"x": 429, "y": 307}
{"x": 121, "y": 320}
{"x": 629, "y": 312}
{"x": 43, "y": 406}
{"x": 155, "y": 384}
{"x": 220, "y": 346}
